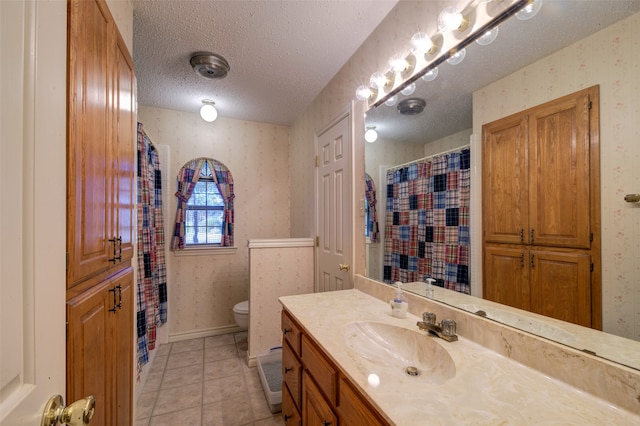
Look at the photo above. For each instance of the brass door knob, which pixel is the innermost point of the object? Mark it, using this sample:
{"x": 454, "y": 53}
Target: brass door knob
{"x": 77, "y": 414}
{"x": 343, "y": 266}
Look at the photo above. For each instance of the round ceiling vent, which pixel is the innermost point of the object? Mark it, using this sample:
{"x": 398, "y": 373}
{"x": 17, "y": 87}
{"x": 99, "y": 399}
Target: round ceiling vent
{"x": 411, "y": 106}
{"x": 209, "y": 65}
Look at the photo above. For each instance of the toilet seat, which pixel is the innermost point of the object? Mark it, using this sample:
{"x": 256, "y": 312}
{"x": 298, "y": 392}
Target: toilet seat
{"x": 242, "y": 307}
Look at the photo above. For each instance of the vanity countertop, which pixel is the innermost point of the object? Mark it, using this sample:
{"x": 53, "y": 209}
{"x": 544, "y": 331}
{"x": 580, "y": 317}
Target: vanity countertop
{"x": 487, "y": 389}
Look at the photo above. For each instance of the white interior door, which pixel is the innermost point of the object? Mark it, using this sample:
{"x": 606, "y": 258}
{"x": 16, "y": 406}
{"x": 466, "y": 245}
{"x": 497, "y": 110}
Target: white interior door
{"x": 335, "y": 242}
{"x": 32, "y": 207}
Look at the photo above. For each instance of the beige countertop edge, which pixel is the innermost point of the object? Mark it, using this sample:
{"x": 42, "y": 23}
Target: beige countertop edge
{"x": 487, "y": 389}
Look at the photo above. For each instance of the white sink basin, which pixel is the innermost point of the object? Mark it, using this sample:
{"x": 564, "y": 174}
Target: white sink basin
{"x": 397, "y": 349}
{"x": 525, "y": 323}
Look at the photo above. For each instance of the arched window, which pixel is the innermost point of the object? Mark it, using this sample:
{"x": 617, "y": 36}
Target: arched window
{"x": 204, "y": 215}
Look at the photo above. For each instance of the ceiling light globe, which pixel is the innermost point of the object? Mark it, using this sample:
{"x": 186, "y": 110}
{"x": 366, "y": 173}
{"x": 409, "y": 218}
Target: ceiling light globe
{"x": 371, "y": 135}
{"x": 208, "y": 113}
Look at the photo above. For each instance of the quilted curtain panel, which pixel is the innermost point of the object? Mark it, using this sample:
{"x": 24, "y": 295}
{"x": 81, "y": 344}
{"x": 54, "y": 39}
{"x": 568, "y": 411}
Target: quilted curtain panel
{"x": 151, "y": 309}
{"x": 427, "y": 221}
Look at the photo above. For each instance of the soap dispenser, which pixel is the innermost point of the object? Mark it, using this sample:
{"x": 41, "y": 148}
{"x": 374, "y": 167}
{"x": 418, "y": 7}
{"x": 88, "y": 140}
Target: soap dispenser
{"x": 399, "y": 305}
{"x": 430, "y": 282}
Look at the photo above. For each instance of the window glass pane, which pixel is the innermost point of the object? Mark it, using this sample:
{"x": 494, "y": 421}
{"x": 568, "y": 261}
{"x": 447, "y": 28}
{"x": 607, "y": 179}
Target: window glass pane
{"x": 215, "y": 218}
{"x": 215, "y": 236}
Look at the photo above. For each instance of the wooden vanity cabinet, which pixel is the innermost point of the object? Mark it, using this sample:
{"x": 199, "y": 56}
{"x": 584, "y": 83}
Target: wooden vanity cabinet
{"x": 540, "y": 190}
{"x": 315, "y": 391}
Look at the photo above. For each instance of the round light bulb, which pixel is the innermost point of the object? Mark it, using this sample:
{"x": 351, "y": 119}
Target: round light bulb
{"x": 363, "y": 92}
{"x": 450, "y": 19}
{"x": 409, "y": 89}
{"x": 457, "y": 57}
{"x": 488, "y": 37}
{"x": 431, "y": 75}
{"x": 371, "y": 135}
{"x": 378, "y": 80}
{"x": 398, "y": 64}
{"x": 529, "y": 11}
{"x": 208, "y": 112}
{"x": 421, "y": 42}
{"x": 391, "y": 101}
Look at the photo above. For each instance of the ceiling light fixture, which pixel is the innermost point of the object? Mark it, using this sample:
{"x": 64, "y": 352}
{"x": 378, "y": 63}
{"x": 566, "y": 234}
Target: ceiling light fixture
{"x": 208, "y": 112}
{"x": 371, "y": 135}
{"x": 209, "y": 65}
{"x": 411, "y": 106}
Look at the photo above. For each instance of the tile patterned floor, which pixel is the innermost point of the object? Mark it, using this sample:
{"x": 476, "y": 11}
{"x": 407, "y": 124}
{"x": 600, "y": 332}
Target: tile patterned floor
{"x": 204, "y": 382}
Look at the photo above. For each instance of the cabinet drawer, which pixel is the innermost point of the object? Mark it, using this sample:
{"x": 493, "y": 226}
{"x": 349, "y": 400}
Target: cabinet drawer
{"x": 353, "y": 409}
{"x": 324, "y": 373}
{"x": 291, "y": 332}
{"x": 291, "y": 372}
{"x": 290, "y": 413}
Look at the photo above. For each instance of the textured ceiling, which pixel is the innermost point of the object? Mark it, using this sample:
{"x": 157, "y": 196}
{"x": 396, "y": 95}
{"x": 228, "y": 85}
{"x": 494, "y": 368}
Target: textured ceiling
{"x": 281, "y": 53}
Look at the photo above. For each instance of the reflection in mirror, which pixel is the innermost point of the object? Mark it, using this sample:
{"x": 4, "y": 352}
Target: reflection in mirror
{"x": 568, "y": 46}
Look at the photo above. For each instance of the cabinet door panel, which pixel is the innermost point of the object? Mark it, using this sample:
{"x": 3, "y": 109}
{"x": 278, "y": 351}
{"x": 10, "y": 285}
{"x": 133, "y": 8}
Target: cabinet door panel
{"x": 123, "y": 348}
{"x": 505, "y": 184}
{"x": 506, "y": 276}
{"x": 88, "y": 150}
{"x": 124, "y": 143}
{"x": 315, "y": 409}
{"x": 560, "y": 286}
{"x": 560, "y": 203}
{"x": 89, "y": 349}
{"x": 291, "y": 372}
{"x": 352, "y": 409}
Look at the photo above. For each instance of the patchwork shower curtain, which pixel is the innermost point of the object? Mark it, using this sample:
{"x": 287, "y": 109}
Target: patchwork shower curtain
{"x": 427, "y": 221}
{"x": 151, "y": 309}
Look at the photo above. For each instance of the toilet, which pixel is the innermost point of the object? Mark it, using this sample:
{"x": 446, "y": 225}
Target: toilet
{"x": 241, "y": 314}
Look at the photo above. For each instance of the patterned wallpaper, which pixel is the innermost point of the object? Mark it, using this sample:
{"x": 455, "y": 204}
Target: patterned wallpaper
{"x": 610, "y": 58}
{"x": 204, "y": 288}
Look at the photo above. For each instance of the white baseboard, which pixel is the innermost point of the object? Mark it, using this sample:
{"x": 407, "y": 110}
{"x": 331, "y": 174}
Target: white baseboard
{"x": 177, "y": 337}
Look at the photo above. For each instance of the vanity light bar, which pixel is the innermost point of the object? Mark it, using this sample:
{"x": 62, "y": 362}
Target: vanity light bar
{"x": 397, "y": 81}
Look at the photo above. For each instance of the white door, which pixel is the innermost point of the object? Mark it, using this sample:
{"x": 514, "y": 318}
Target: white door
{"x": 32, "y": 207}
{"x": 334, "y": 206}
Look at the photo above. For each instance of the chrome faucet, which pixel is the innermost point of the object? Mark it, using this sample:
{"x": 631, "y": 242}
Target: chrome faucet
{"x": 446, "y": 329}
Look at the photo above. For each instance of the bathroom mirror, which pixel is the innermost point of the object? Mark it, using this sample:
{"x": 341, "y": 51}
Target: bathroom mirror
{"x": 447, "y": 123}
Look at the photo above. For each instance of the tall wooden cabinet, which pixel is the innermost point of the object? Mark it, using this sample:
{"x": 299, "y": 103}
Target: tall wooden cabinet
{"x": 100, "y": 208}
{"x": 541, "y": 206}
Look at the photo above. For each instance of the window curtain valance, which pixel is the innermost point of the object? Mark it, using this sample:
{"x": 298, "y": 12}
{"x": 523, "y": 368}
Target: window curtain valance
{"x": 187, "y": 178}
